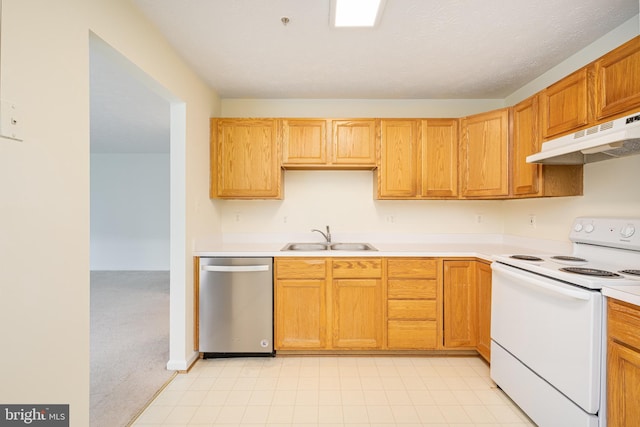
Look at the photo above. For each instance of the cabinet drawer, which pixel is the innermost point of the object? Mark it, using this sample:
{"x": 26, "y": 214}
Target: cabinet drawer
{"x": 624, "y": 323}
{"x": 412, "y": 289}
{"x": 411, "y": 334}
{"x": 411, "y": 309}
{"x": 294, "y": 268}
{"x": 412, "y": 268}
{"x": 357, "y": 268}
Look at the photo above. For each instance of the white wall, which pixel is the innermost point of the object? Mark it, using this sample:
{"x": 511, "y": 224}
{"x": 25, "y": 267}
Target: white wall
{"x": 345, "y": 201}
{"x": 130, "y": 211}
{"x": 44, "y": 182}
{"x": 399, "y": 108}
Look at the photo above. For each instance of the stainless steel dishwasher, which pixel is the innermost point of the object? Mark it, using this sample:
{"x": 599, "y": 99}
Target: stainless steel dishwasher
{"x": 236, "y": 307}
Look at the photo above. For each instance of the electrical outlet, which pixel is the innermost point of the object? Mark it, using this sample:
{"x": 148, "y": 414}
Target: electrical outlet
{"x": 532, "y": 221}
{"x": 391, "y": 219}
{"x": 479, "y": 218}
{"x": 10, "y": 121}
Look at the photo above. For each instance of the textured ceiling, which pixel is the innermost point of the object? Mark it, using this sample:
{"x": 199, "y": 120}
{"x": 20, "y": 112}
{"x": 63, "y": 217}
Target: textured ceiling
{"x": 432, "y": 49}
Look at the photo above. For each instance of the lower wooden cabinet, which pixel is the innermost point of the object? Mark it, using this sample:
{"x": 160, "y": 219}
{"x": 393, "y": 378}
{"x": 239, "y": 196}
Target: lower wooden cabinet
{"x": 413, "y": 303}
{"x": 300, "y": 304}
{"x": 357, "y": 303}
{"x": 460, "y": 305}
{"x": 483, "y": 285}
{"x": 404, "y": 303}
{"x": 324, "y": 303}
{"x": 623, "y": 364}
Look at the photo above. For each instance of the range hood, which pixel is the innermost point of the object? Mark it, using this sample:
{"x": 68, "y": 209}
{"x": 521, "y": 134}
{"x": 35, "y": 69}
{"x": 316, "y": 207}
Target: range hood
{"x": 610, "y": 140}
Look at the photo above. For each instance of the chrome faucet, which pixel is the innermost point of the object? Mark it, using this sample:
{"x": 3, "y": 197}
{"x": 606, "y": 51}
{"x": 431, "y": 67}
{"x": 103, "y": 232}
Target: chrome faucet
{"x": 326, "y": 236}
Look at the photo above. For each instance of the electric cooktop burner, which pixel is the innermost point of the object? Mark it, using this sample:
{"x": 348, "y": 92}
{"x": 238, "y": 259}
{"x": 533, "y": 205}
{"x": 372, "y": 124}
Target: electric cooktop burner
{"x": 568, "y": 258}
{"x": 630, "y": 272}
{"x": 590, "y": 272}
{"x": 526, "y": 257}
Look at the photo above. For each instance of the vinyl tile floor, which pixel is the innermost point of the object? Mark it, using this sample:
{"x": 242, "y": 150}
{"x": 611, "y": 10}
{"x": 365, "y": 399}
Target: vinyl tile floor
{"x": 340, "y": 391}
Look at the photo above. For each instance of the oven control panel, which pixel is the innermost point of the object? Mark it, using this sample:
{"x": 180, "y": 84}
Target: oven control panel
{"x": 615, "y": 232}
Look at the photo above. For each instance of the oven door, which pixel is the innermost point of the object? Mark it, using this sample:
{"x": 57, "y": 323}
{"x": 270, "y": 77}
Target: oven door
{"x": 551, "y": 328}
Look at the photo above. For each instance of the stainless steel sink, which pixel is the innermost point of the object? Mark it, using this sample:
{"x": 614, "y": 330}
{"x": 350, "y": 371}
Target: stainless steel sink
{"x": 352, "y": 247}
{"x": 306, "y": 247}
{"x": 328, "y": 246}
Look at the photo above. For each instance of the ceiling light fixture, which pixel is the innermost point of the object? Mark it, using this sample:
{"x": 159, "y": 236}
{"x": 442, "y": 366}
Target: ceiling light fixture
{"x": 356, "y": 13}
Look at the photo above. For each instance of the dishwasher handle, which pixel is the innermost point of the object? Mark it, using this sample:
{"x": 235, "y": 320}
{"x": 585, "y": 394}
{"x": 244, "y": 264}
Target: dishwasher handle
{"x": 235, "y": 268}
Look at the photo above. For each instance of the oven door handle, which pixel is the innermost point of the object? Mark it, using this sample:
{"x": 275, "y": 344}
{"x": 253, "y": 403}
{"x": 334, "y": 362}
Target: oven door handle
{"x": 521, "y": 278}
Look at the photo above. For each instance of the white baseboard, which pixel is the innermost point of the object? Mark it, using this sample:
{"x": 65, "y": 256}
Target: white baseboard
{"x": 182, "y": 364}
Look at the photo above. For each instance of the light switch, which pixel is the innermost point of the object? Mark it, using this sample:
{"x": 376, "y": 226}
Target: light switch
{"x": 10, "y": 122}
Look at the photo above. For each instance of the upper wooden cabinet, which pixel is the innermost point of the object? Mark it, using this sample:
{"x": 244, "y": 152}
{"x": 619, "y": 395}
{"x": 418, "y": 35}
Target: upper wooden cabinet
{"x": 617, "y": 81}
{"x": 245, "y": 159}
{"x": 398, "y": 169}
{"x": 530, "y": 179}
{"x": 439, "y": 160}
{"x": 525, "y": 140}
{"x": 304, "y": 142}
{"x": 484, "y": 169}
{"x": 354, "y": 143}
{"x": 328, "y": 143}
{"x": 564, "y": 105}
{"x": 418, "y": 159}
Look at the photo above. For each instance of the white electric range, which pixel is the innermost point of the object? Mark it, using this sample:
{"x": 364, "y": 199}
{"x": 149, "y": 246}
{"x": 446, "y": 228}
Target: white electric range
{"x": 548, "y": 330}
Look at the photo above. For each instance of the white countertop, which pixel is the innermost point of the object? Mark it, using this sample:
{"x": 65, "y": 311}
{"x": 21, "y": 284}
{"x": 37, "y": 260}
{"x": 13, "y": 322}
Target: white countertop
{"x": 630, "y": 294}
{"x": 470, "y": 245}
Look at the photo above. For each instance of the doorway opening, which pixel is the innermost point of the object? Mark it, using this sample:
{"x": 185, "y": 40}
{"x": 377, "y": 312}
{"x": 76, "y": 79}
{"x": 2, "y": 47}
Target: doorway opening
{"x": 137, "y": 233}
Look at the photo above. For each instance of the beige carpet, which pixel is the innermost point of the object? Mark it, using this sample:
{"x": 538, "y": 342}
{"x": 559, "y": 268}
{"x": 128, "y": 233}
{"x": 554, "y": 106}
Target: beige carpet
{"x": 129, "y": 343}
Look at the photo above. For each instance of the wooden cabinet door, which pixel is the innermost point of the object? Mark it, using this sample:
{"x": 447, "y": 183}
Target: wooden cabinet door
{"x": 460, "y": 302}
{"x": 483, "y": 283}
{"x": 300, "y": 298}
{"x": 398, "y": 169}
{"x": 623, "y": 364}
{"x": 354, "y": 143}
{"x": 304, "y": 142}
{"x": 357, "y": 313}
{"x": 245, "y": 159}
{"x": 617, "y": 81}
{"x": 484, "y": 154}
{"x": 439, "y": 145}
{"x": 623, "y": 386}
{"x": 300, "y": 313}
{"x": 525, "y": 140}
{"x": 564, "y": 105}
